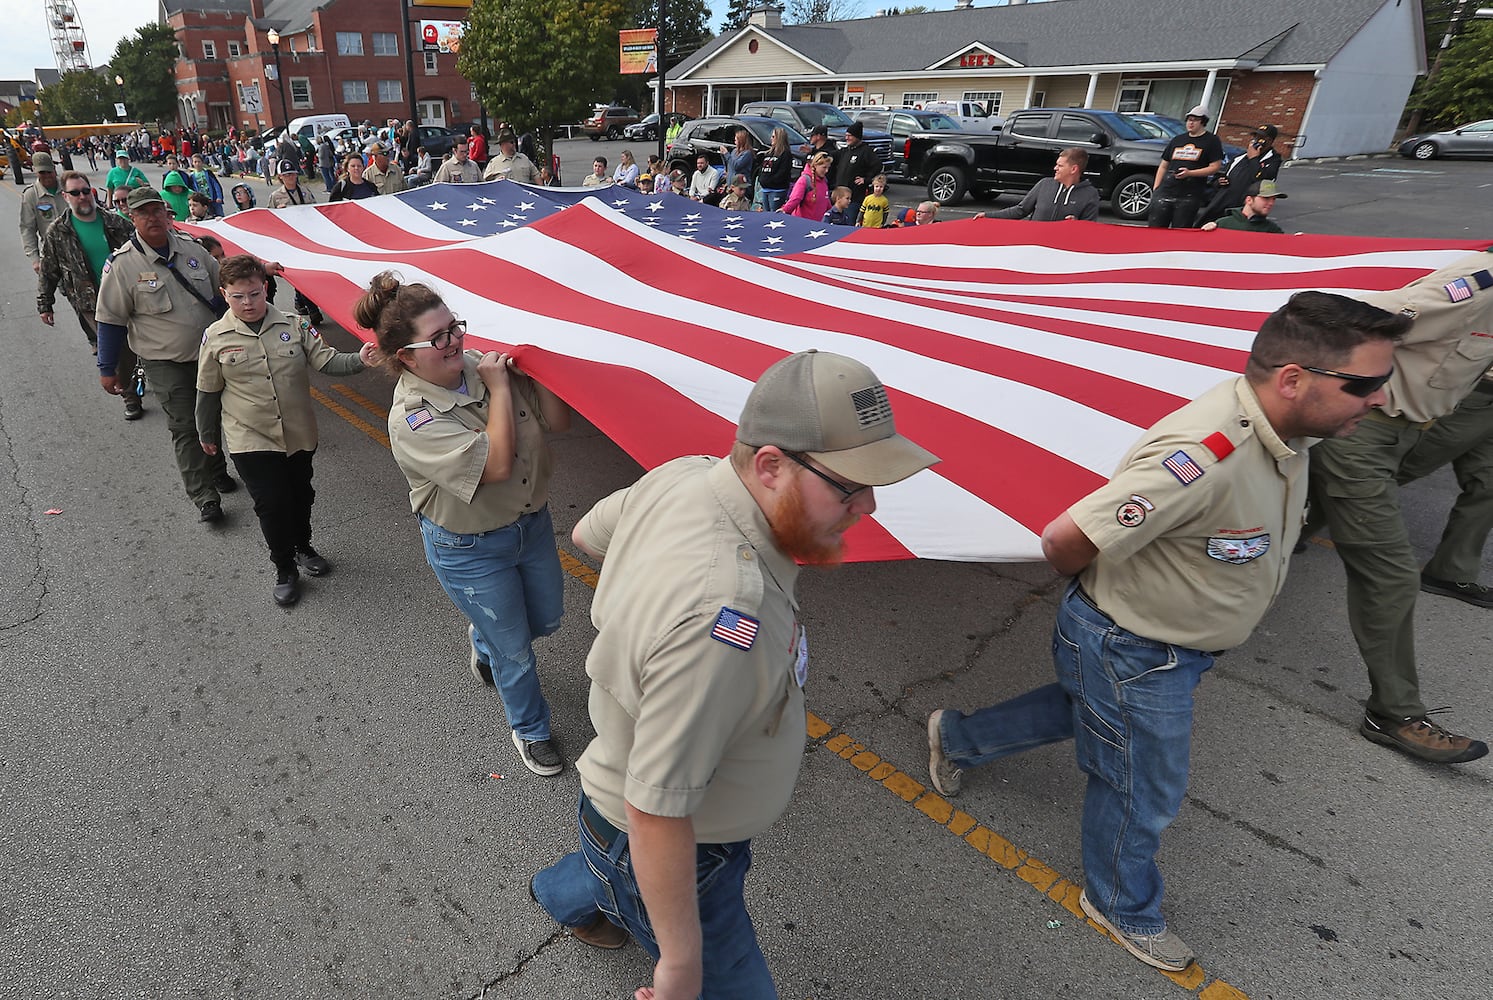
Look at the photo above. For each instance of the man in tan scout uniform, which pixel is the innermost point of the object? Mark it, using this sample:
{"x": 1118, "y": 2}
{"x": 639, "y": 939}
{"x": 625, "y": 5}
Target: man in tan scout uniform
{"x": 698, "y": 670}
{"x": 378, "y": 173}
{"x": 1448, "y": 349}
{"x": 1177, "y": 558}
{"x": 160, "y": 290}
{"x": 510, "y": 164}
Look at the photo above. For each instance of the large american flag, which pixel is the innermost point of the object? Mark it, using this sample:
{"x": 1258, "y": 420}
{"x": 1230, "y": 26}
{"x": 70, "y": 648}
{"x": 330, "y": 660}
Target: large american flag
{"x": 1028, "y": 356}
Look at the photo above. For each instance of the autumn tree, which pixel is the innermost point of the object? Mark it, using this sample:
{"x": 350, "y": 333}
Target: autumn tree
{"x": 147, "y": 61}
{"x": 80, "y": 95}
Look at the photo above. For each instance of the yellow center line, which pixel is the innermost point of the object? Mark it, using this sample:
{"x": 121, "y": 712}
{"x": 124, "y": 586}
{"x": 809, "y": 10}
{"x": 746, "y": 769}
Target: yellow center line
{"x": 1027, "y": 867}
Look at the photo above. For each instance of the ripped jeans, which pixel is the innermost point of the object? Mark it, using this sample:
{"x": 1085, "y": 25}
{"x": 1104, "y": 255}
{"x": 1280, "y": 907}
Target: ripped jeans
{"x": 1126, "y": 702}
{"x": 509, "y": 584}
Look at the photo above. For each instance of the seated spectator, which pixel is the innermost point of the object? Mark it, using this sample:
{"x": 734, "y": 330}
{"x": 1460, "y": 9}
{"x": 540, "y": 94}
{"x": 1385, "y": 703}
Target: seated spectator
{"x": 598, "y": 175}
{"x": 627, "y": 171}
{"x": 706, "y": 185}
{"x": 1254, "y": 217}
{"x": 645, "y": 183}
{"x": 839, "y": 212}
{"x": 736, "y": 199}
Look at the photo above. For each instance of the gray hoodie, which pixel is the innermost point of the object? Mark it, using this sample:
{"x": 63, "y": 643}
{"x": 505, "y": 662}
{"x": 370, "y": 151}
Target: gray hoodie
{"x": 1050, "y": 201}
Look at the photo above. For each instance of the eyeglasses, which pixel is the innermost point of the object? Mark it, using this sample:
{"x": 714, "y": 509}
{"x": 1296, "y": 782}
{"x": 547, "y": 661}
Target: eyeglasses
{"x": 441, "y": 339}
{"x": 1354, "y": 385}
{"x": 847, "y": 493}
{"x": 254, "y": 296}
{"x": 77, "y": 192}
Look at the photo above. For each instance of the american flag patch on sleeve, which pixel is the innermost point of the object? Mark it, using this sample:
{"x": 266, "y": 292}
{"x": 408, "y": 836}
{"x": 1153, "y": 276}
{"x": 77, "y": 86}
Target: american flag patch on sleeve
{"x": 418, "y": 419}
{"x": 735, "y": 629}
{"x": 1181, "y": 465}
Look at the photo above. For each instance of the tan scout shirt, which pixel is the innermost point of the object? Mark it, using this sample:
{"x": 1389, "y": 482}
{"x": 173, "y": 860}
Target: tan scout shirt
{"x": 39, "y": 209}
{"x": 517, "y": 167}
{"x": 687, "y": 724}
{"x": 283, "y": 197}
{"x": 439, "y": 439}
{"x": 164, "y": 319}
{"x": 387, "y": 181}
{"x": 1450, "y": 343}
{"x": 264, "y": 381}
{"x": 1199, "y": 564}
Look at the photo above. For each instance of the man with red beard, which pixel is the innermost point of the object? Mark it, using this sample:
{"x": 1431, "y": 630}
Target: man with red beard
{"x": 698, "y": 672}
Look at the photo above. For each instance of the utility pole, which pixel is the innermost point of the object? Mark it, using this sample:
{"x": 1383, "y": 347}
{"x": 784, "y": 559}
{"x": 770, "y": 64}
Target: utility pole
{"x": 663, "y": 63}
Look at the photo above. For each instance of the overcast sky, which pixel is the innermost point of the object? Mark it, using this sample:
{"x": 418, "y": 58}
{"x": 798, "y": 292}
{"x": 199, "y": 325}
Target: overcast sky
{"x": 25, "y": 44}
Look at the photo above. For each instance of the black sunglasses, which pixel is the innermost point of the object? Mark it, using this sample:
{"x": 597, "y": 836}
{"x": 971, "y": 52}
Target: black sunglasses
{"x": 78, "y": 192}
{"x": 1354, "y": 385}
{"x": 847, "y": 493}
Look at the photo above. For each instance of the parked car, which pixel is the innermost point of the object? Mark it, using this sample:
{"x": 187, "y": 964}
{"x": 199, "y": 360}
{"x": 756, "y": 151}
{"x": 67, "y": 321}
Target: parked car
{"x": 609, "y": 122}
{"x": 901, "y": 123}
{"x": 716, "y": 136}
{"x": 647, "y": 129}
{"x": 971, "y": 115}
{"x": 437, "y": 140}
{"x": 807, "y": 115}
{"x": 1475, "y": 139}
{"x": 1122, "y": 159}
{"x": 1164, "y": 127}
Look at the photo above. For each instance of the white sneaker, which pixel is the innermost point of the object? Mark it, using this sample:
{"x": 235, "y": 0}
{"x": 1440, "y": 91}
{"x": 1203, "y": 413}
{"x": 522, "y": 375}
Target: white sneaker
{"x": 1164, "y": 950}
{"x": 539, "y": 756}
{"x": 945, "y": 776}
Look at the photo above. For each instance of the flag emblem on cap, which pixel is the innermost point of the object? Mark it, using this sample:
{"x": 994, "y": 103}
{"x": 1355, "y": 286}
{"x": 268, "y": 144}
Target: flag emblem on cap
{"x": 1459, "y": 290}
{"x": 871, "y": 405}
{"x": 735, "y": 629}
{"x": 1181, "y": 465}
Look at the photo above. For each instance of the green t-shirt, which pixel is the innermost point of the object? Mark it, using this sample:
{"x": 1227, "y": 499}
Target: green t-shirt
{"x": 95, "y": 243}
{"x": 120, "y": 177}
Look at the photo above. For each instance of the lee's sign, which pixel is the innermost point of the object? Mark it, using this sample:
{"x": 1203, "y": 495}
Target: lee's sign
{"x": 979, "y": 60}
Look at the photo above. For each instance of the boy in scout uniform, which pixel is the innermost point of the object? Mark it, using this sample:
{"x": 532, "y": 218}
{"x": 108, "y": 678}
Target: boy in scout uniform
{"x": 1177, "y": 558}
{"x": 41, "y": 204}
{"x": 160, "y": 291}
{"x": 1447, "y": 352}
{"x": 699, "y": 665}
{"x": 254, "y": 399}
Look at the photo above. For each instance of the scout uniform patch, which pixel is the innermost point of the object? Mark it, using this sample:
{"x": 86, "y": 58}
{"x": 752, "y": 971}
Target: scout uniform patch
{"x": 736, "y": 629}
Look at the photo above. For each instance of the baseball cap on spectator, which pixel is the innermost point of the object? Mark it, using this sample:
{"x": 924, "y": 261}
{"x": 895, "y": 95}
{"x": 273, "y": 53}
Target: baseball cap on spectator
{"x": 1267, "y": 132}
{"x": 121, "y": 154}
{"x": 1201, "y": 111}
{"x": 142, "y": 196}
{"x": 740, "y": 182}
{"x": 644, "y": 177}
{"x": 1265, "y": 189}
{"x": 288, "y": 167}
{"x": 42, "y": 163}
{"x": 834, "y": 410}
{"x": 818, "y": 130}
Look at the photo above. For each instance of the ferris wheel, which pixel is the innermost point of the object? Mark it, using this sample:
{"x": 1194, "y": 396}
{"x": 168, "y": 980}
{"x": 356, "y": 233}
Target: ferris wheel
{"x": 69, "y": 43}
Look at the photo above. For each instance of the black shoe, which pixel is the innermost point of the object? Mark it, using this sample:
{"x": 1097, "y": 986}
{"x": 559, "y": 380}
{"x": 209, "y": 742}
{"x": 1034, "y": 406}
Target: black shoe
{"x": 312, "y": 562}
{"x": 287, "y": 587}
{"x": 225, "y": 483}
{"x": 133, "y": 410}
{"x": 1470, "y": 593}
{"x": 210, "y": 512}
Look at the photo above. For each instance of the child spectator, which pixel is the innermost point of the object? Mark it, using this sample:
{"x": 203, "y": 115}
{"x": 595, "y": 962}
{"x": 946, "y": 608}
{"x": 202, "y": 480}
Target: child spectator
{"x": 736, "y": 200}
{"x": 645, "y": 183}
{"x": 839, "y": 214}
{"x": 199, "y": 207}
{"x": 874, "y": 209}
{"x": 679, "y": 183}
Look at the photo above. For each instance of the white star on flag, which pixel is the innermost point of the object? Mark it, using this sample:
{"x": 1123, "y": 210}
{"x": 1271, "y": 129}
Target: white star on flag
{"x": 437, "y": 206}
{"x": 508, "y": 224}
{"x": 696, "y": 215}
{"x": 526, "y": 206}
{"x": 730, "y": 239}
{"x": 474, "y": 207}
{"x": 619, "y": 203}
{"x": 467, "y": 222}
{"x": 489, "y": 201}
{"x": 816, "y": 233}
{"x": 655, "y": 206}
{"x": 777, "y": 224}
{"x": 773, "y": 239}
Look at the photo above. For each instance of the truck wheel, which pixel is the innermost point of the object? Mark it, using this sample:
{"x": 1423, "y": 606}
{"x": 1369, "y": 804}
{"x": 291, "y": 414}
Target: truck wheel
{"x": 1131, "y": 200}
{"x": 947, "y": 185}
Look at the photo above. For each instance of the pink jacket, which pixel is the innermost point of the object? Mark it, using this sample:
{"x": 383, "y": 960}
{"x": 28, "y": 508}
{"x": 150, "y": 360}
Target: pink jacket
{"x": 809, "y": 198}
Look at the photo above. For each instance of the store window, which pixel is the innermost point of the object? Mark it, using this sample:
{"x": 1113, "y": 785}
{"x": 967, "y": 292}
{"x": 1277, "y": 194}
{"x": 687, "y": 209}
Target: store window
{"x": 917, "y": 98}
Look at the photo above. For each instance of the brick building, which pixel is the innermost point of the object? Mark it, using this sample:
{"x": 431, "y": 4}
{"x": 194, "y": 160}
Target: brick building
{"x": 1331, "y": 75}
{"x": 337, "y": 57}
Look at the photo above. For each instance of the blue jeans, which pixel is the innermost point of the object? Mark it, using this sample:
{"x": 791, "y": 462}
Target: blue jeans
{"x": 1126, "y": 702}
{"x": 772, "y": 199}
{"x": 509, "y": 584}
{"x": 599, "y": 878}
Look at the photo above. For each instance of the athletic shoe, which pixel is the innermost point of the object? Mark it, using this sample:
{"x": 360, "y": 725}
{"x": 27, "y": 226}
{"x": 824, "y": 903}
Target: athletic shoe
{"x": 132, "y": 408}
{"x": 1470, "y": 593}
{"x": 1419, "y": 737}
{"x": 287, "y": 588}
{"x": 210, "y": 512}
{"x": 312, "y": 561}
{"x": 1164, "y": 950}
{"x": 945, "y": 776}
{"x": 225, "y": 483}
{"x": 481, "y": 669}
{"x": 538, "y": 756}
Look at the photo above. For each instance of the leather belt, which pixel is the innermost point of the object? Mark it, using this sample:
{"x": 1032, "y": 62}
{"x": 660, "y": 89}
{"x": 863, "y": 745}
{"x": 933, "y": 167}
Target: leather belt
{"x": 600, "y": 828}
{"x": 1404, "y": 422}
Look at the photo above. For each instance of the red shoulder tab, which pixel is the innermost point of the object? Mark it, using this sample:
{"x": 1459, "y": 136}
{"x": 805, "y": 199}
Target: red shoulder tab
{"x": 1219, "y": 445}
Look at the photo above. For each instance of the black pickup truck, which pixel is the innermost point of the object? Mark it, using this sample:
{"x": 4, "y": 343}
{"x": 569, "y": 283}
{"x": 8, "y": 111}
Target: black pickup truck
{"x": 1122, "y": 160}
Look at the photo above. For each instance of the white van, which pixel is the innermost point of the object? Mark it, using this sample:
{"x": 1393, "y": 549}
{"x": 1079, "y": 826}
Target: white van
{"x": 312, "y": 126}
{"x": 971, "y": 115}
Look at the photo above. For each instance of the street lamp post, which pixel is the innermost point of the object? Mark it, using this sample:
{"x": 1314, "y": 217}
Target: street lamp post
{"x": 119, "y": 82}
{"x": 274, "y": 37}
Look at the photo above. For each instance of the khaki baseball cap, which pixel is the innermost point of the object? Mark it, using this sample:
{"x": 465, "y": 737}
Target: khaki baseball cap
{"x": 42, "y": 162}
{"x": 1265, "y": 189}
{"x": 835, "y": 410}
{"x": 142, "y": 196}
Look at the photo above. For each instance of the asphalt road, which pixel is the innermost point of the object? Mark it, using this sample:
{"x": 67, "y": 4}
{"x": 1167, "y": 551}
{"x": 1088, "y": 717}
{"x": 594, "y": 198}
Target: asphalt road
{"x": 205, "y": 795}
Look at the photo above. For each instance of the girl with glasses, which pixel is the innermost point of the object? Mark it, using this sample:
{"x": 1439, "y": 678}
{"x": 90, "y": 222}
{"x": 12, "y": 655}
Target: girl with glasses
{"x": 467, "y": 430}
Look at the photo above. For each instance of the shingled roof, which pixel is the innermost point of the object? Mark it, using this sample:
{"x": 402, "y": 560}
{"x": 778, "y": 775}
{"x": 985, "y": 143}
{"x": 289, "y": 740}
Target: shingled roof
{"x": 1078, "y": 33}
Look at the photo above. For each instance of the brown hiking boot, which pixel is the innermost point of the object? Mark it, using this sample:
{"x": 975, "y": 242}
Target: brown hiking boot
{"x": 1419, "y": 737}
{"x": 601, "y": 933}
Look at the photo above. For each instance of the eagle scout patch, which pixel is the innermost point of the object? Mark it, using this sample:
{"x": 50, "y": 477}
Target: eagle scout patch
{"x": 418, "y": 419}
{"x": 1181, "y": 465}
{"x": 1459, "y": 290}
{"x": 1238, "y": 550}
{"x": 735, "y": 629}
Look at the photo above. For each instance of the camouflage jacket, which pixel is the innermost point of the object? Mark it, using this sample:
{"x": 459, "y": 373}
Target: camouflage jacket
{"x": 64, "y": 265}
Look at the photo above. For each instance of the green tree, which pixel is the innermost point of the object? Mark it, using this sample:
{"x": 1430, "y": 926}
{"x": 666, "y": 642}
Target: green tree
{"x": 81, "y": 95}
{"x": 737, "y": 14}
{"x": 147, "y": 61}
{"x": 1463, "y": 88}
{"x": 534, "y": 63}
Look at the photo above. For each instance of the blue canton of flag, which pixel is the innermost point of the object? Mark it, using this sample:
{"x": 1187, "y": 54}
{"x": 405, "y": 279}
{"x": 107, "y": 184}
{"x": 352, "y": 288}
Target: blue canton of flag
{"x": 735, "y": 629}
{"x": 499, "y": 206}
{"x": 1181, "y": 465}
{"x": 1458, "y": 290}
